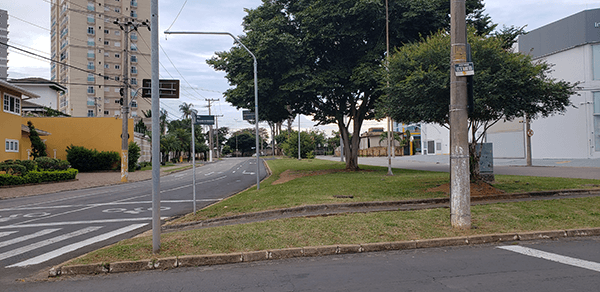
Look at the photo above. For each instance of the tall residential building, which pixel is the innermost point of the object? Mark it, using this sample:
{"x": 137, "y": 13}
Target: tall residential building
{"x": 3, "y": 49}
{"x": 84, "y": 35}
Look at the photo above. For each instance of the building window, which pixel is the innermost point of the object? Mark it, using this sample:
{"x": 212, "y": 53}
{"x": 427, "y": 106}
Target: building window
{"x": 90, "y": 65}
{"x": 117, "y": 44}
{"x": 117, "y": 101}
{"x": 118, "y": 56}
{"x": 91, "y": 42}
{"x": 106, "y": 78}
{"x": 105, "y": 54}
{"x": 117, "y": 66}
{"x": 90, "y": 89}
{"x": 117, "y": 10}
{"x": 117, "y": 32}
{"x": 90, "y": 77}
{"x": 91, "y": 54}
{"x": 133, "y": 36}
{"x": 133, "y": 103}
{"x": 106, "y": 66}
{"x": 12, "y": 104}
{"x": 596, "y": 61}
{"x": 90, "y": 113}
{"x": 134, "y": 81}
{"x": 133, "y": 70}
{"x": 133, "y": 47}
{"x": 133, "y": 13}
{"x": 106, "y": 31}
{"x": 106, "y": 43}
{"x": 11, "y": 145}
{"x": 134, "y": 59}
{"x": 90, "y": 30}
{"x": 106, "y": 113}
{"x": 117, "y": 78}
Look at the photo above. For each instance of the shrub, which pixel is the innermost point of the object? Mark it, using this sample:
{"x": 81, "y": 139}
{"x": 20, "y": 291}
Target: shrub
{"x": 38, "y": 177}
{"x": 47, "y": 163}
{"x": 133, "y": 154}
{"x": 29, "y": 164}
{"x": 90, "y": 160}
{"x": 13, "y": 168}
{"x": 38, "y": 148}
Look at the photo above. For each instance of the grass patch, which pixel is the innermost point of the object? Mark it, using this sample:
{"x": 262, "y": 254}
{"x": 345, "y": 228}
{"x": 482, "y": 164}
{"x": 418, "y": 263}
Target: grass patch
{"x": 357, "y": 228}
{"x": 371, "y": 184}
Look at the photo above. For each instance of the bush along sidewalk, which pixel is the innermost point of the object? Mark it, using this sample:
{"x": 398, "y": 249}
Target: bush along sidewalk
{"x": 42, "y": 169}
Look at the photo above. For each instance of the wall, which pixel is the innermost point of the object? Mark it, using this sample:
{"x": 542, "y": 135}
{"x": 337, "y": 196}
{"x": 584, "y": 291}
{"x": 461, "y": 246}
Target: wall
{"x": 102, "y": 134}
{"x": 10, "y": 127}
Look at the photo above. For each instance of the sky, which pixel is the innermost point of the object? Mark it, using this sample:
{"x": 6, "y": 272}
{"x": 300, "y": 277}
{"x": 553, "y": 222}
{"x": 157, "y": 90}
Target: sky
{"x": 184, "y": 56}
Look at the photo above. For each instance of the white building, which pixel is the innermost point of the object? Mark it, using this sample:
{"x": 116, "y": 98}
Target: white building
{"x": 49, "y": 92}
{"x": 572, "y": 45}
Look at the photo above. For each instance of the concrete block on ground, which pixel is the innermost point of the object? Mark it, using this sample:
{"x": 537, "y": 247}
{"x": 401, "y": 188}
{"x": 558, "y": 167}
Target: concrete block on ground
{"x": 84, "y": 269}
{"x": 285, "y": 253}
{"x": 383, "y": 246}
{"x": 166, "y": 263}
{"x": 254, "y": 256}
{"x": 207, "y": 260}
{"x": 491, "y": 238}
{"x": 439, "y": 242}
{"x": 317, "y": 251}
{"x": 542, "y": 235}
{"x": 583, "y": 232}
{"x": 349, "y": 248}
{"x": 131, "y": 266}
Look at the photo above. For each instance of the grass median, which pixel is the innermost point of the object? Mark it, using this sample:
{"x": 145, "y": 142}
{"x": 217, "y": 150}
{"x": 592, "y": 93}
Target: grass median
{"x": 371, "y": 184}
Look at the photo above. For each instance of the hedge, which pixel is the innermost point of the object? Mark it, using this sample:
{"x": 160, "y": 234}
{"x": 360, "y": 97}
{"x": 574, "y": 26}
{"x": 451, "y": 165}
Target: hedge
{"x": 33, "y": 177}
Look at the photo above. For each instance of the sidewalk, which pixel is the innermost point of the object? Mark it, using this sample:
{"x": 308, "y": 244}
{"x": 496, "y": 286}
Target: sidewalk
{"x": 570, "y": 168}
{"x": 84, "y": 180}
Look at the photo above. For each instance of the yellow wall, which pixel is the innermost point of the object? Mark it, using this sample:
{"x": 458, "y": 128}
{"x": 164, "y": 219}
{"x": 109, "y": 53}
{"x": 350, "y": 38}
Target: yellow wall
{"x": 10, "y": 127}
{"x": 102, "y": 134}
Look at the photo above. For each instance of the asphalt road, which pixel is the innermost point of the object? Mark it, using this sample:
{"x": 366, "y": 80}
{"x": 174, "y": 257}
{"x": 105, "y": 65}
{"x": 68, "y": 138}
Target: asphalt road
{"x": 563, "y": 265}
{"x": 41, "y": 231}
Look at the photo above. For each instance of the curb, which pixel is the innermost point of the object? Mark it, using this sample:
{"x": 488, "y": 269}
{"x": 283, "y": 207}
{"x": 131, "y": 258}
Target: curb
{"x": 329, "y": 209}
{"x": 312, "y": 251}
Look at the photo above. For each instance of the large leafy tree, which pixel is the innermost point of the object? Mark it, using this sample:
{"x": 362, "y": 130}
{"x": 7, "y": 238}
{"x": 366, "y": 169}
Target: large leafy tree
{"x": 507, "y": 85}
{"x": 320, "y": 57}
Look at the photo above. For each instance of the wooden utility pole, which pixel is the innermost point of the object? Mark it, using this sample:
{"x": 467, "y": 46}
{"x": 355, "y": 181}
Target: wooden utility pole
{"x": 460, "y": 188}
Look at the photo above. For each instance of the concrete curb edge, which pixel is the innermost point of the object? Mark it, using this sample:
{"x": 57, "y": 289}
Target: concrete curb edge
{"x": 312, "y": 251}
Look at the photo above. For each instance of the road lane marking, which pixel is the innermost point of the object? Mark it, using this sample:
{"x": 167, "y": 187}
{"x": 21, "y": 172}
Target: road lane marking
{"x": 69, "y": 248}
{"x": 27, "y": 237}
{"x": 79, "y": 222}
{"x": 37, "y": 245}
{"x": 110, "y": 204}
{"x": 553, "y": 257}
{"x": 210, "y": 173}
{"x": 7, "y": 233}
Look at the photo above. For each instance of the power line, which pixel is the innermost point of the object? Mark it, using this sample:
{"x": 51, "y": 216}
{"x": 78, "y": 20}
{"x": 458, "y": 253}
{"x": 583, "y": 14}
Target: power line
{"x": 177, "y": 15}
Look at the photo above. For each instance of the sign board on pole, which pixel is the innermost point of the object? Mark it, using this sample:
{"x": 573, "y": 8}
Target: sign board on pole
{"x": 169, "y": 88}
{"x": 248, "y": 115}
{"x": 464, "y": 69}
{"x": 205, "y": 120}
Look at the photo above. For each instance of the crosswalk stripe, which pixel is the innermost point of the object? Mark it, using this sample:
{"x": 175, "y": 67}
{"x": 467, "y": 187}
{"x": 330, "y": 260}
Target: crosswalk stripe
{"x": 50, "y": 255}
{"x": 553, "y": 257}
{"x": 37, "y": 245}
{"x": 27, "y": 237}
{"x": 7, "y": 233}
{"x": 76, "y": 222}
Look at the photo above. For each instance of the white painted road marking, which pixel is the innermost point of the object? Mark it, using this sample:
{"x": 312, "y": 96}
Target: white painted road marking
{"x": 37, "y": 245}
{"x": 48, "y": 256}
{"x": 109, "y": 204}
{"x": 553, "y": 257}
{"x": 7, "y": 233}
{"x": 210, "y": 173}
{"x": 78, "y": 222}
{"x": 27, "y": 237}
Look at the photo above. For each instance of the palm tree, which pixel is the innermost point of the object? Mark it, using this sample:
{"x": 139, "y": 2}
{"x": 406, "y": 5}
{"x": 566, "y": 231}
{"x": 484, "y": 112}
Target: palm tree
{"x": 186, "y": 109}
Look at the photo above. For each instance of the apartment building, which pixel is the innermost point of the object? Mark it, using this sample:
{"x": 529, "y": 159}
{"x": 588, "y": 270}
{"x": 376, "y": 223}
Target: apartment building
{"x": 3, "y": 49}
{"x": 85, "y": 37}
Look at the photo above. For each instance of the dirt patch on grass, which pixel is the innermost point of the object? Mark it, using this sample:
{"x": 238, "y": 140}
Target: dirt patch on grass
{"x": 289, "y": 174}
{"x": 477, "y": 189}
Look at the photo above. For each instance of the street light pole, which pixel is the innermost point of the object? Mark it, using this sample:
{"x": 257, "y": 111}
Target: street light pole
{"x": 155, "y": 130}
{"x": 255, "y": 90}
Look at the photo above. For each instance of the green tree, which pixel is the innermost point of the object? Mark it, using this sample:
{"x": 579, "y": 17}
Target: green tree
{"x": 320, "y": 57}
{"x": 507, "y": 85}
{"x": 38, "y": 148}
{"x": 133, "y": 155}
{"x": 186, "y": 109}
{"x": 243, "y": 140}
{"x": 307, "y": 145}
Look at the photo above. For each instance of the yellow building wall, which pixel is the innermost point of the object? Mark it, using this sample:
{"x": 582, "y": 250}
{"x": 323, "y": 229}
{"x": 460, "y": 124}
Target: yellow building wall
{"x": 102, "y": 134}
{"x": 10, "y": 128}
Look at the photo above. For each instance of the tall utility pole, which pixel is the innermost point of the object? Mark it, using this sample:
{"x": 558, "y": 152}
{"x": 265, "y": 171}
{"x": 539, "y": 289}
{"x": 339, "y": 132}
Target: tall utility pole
{"x": 210, "y": 132}
{"x": 126, "y": 26}
{"x": 299, "y": 157}
{"x": 217, "y": 136}
{"x": 460, "y": 188}
{"x": 155, "y": 129}
{"x": 390, "y": 136}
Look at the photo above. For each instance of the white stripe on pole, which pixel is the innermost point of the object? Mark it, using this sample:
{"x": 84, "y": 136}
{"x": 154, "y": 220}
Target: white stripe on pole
{"x": 553, "y": 257}
{"x": 37, "y": 245}
{"x": 69, "y": 248}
